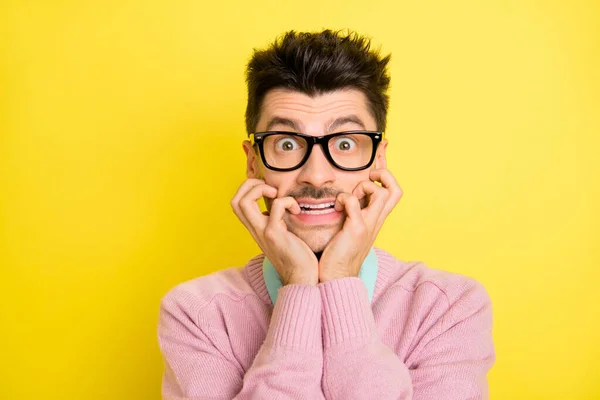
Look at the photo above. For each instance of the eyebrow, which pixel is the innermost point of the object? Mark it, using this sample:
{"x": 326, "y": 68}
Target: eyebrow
{"x": 350, "y": 119}
{"x": 331, "y": 126}
{"x": 290, "y": 123}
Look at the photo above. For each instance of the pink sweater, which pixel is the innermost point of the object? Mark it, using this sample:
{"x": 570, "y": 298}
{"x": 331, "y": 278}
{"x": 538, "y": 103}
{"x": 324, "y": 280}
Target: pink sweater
{"x": 426, "y": 335}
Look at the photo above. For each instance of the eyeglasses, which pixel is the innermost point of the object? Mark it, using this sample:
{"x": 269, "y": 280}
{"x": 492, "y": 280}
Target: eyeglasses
{"x": 287, "y": 151}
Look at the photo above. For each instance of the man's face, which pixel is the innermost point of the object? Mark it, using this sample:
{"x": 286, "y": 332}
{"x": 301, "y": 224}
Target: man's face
{"x": 317, "y": 181}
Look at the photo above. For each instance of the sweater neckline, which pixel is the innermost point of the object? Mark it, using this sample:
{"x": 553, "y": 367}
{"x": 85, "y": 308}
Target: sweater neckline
{"x": 254, "y": 273}
{"x": 367, "y": 274}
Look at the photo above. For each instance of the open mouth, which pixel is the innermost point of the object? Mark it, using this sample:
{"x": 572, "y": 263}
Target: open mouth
{"x": 317, "y": 209}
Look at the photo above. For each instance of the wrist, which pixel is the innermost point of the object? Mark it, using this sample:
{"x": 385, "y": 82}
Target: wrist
{"x": 329, "y": 272}
{"x": 300, "y": 281}
{"x": 336, "y": 275}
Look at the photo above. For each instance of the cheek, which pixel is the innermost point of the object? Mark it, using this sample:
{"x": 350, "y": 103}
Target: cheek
{"x": 350, "y": 180}
{"x": 282, "y": 181}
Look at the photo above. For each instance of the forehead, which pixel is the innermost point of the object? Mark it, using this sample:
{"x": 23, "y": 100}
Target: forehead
{"x": 336, "y": 109}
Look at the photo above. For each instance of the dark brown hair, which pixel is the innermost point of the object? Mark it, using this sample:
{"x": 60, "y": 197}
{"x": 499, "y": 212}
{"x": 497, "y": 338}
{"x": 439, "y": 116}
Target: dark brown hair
{"x": 316, "y": 63}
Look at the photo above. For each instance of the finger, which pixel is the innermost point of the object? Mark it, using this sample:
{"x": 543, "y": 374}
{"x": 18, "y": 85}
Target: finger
{"x": 235, "y": 201}
{"x": 378, "y": 197}
{"x": 249, "y": 207}
{"x": 350, "y": 204}
{"x": 247, "y": 185}
{"x": 278, "y": 209}
{"x": 388, "y": 182}
{"x": 354, "y": 221}
{"x": 242, "y": 191}
{"x": 369, "y": 189}
{"x": 280, "y": 205}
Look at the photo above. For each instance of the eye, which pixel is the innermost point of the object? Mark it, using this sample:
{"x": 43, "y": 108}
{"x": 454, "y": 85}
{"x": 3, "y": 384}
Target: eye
{"x": 287, "y": 144}
{"x": 344, "y": 144}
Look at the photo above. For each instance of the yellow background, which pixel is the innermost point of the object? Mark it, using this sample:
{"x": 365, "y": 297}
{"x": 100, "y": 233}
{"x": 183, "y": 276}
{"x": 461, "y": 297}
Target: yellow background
{"x": 120, "y": 147}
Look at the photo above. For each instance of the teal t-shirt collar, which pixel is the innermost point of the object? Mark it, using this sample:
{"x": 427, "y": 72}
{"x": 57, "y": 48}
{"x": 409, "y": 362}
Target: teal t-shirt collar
{"x": 368, "y": 274}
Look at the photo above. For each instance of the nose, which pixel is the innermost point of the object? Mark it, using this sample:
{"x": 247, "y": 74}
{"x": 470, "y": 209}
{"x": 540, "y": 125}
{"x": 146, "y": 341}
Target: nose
{"x": 317, "y": 171}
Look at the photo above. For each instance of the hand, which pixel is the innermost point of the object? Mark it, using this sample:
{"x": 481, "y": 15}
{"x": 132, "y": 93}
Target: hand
{"x": 292, "y": 258}
{"x": 346, "y": 252}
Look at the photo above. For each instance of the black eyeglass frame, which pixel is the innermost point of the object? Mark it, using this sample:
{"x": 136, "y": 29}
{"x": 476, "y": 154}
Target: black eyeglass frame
{"x": 259, "y": 137}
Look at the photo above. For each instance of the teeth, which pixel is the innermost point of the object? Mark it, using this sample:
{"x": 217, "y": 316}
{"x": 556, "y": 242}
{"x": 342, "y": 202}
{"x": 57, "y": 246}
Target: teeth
{"x": 316, "y": 206}
{"x": 318, "y": 211}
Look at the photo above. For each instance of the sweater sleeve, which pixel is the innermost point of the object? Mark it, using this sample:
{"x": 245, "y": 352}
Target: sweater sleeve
{"x": 357, "y": 364}
{"x": 288, "y": 365}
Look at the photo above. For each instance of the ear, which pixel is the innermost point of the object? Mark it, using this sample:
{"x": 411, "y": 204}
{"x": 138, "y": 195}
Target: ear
{"x": 380, "y": 157}
{"x": 252, "y": 168}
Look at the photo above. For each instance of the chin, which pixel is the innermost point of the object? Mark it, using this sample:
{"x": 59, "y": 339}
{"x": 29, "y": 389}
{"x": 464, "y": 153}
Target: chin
{"x": 317, "y": 239}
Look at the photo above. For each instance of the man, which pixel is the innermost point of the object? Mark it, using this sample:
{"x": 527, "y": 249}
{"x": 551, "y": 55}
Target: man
{"x": 321, "y": 313}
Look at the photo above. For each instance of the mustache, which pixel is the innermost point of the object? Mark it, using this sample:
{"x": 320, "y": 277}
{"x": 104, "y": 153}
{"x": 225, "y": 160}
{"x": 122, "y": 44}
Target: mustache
{"x": 314, "y": 193}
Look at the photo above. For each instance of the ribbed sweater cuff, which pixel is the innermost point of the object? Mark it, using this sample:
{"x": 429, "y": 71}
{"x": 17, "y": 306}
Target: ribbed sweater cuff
{"x": 347, "y": 314}
{"x": 296, "y": 320}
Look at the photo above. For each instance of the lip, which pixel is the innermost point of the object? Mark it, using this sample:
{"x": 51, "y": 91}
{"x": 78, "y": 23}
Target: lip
{"x": 314, "y": 201}
{"x": 329, "y": 218}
